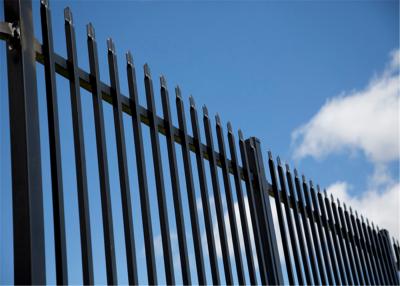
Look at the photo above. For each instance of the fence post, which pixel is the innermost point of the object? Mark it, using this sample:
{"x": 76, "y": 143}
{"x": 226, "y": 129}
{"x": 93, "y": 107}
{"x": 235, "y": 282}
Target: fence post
{"x": 261, "y": 194}
{"x": 28, "y": 225}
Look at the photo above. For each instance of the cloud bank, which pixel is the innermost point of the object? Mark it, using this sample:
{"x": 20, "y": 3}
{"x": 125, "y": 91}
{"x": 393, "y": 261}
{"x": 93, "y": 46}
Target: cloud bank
{"x": 366, "y": 121}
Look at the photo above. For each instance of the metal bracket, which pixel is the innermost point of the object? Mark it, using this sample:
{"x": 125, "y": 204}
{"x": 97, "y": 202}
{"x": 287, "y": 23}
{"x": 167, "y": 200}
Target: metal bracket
{"x": 10, "y": 32}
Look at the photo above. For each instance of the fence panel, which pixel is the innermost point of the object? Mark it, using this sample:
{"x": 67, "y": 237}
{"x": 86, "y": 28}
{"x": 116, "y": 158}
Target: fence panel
{"x": 323, "y": 242}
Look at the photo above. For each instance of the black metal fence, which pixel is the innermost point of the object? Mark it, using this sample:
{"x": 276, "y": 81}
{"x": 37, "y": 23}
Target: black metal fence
{"x": 323, "y": 242}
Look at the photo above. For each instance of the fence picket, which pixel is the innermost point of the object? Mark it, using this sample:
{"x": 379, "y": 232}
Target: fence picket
{"x": 108, "y": 229}
{"x": 80, "y": 159}
{"x": 176, "y": 190}
{"x": 55, "y": 147}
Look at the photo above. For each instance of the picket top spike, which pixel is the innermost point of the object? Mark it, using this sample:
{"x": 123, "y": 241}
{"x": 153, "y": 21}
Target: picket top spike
{"x": 296, "y": 174}
{"x": 45, "y": 3}
{"x": 325, "y": 193}
{"x": 110, "y": 46}
{"x": 205, "y": 111}
{"x": 318, "y": 188}
{"x": 192, "y": 103}
{"x": 90, "y": 31}
{"x": 332, "y": 199}
{"x": 351, "y": 210}
{"x": 240, "y": 133}
{"x": 163, "y": 82}
{"x": 356, "y": 214}
{"x": 344, "y": 206}
{"x": 146, "y": 70}
{"x": 362, "y": 219}
{"x": 287, "y": 167}
{"x": 68, "y": 15}
{"x": 129, "y": 58}
{"x": 311, "y": 184}
{"x": 269, "y": 155}
{"x": 229, "y": 126}
{"x": 338, "y": 202}
{"x": 178, "y": 92}
{"x": 304, "y": 179}
{"x": 218, "y": 119}
{"x": 278, "y": 160}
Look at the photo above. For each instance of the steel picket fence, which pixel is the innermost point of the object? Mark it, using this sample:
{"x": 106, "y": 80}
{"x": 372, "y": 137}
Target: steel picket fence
{"x": 323, "y": 241}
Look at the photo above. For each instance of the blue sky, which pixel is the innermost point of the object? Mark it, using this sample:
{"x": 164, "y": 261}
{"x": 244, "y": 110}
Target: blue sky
{"x": 277, "y": 70}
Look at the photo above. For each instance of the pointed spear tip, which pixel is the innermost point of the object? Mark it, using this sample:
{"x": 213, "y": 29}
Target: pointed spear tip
{"x": 45, "y": 3}
{"x": 229, "y": 126}
{"x": 178, "y": 92}
{"x": 217, "y": 119}
{"x": 191, "y": 101}
{"x": 163, "y": 81}
{"x": 90, "y": 30}
{"x": 205, "y": 111}
{"x": 68, "y": 15}
{"x": 287, "y": 167}
{"x": 303, "y": 178}
{"x": 325, "y": 193}
{"x": 278, "y": 160}
{"x": 110, "y": 45}
{"x": 311, "y": 184}
{"x": 332, "y": 199}
{"x": 240, "y": 135}
{"x": 270, "y": 155}
{"x": 296, "y": 174}
{"x": 146, "y": 69}
{"x": 129, "y": 58}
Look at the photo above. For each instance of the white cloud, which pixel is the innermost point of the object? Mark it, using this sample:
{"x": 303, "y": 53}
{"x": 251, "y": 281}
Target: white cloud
{"x": 366, "y": 120}
{"x": 382, "y": 207}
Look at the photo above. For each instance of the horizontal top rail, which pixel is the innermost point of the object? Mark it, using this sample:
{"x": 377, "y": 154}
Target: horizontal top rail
{"x": 84, "y": 81}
